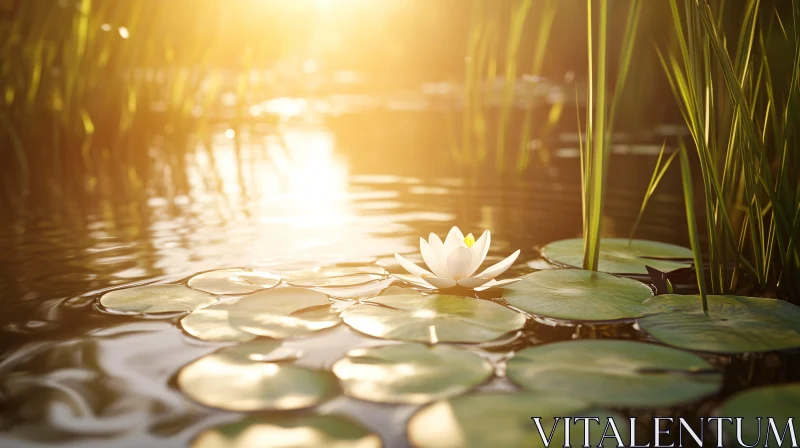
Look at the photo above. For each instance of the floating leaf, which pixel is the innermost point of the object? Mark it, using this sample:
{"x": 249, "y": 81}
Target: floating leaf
{"x": 362, "y": 291}
{"x": 398, "y": 290}
{"x": 410, "y": 373}
{"x": 576, "y": 294}
{"x": 345, "y": 280}
{"x": 494, "y": 283}
{"x": 780, "y": 403}
{"x": 311, "y": 431}
{"x": 283, "y": 312}
{"x": 621, "y": 255}
{"x": 505, "y": 420}
{"x": 336, "y": 275}
{"x": 413, "y": 280}
{"x": 615, "y": 373}
{"x": 156, "y": 299}
{"x": 434, "y": 318}
{"x": 212, "y": 324}
{"x": 233, "y": 281}
{"x": 237, "y": 385}
{"x": 734, "y": 324}
{"x": 262, "y": 350}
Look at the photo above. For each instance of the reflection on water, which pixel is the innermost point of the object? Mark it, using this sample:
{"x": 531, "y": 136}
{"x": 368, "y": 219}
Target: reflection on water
{"x": 308, "y": 196}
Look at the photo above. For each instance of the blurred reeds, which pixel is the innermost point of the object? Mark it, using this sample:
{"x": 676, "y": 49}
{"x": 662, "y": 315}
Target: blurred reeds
{"x": 494, "y": 53}
{"x": 86, "y": 85}
{"x": 73, "y": 96}
{"x": 735, "y": 71}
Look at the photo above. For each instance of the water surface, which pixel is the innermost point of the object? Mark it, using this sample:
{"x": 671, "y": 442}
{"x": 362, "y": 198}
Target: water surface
{"x": 74, "y": 374}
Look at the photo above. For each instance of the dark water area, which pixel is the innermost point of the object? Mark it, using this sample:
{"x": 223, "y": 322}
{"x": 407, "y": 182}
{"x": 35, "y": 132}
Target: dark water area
{"x": 355, "y": 188}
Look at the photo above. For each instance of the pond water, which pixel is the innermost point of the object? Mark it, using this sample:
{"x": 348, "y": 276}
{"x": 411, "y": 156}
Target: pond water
{"x": 75, "y": 374}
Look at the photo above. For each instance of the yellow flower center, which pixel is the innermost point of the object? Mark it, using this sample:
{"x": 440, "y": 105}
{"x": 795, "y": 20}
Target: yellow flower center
{"x": 469, "y": 240}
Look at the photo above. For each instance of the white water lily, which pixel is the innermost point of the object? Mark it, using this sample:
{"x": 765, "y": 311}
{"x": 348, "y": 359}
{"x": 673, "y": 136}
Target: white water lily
{"x": 454, "y": 262}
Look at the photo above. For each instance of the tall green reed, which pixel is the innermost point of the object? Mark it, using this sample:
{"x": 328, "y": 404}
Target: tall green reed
{"x": 595, "y": 149}
{"x": 739, "y": 96}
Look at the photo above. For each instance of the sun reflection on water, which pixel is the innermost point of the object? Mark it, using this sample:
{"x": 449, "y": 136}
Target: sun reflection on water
{"x": 292, "y": 190}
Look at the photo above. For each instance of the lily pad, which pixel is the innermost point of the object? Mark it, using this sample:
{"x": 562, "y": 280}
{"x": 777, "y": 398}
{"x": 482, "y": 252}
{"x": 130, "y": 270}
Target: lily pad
{"x": 238, "y": 385}
{"x": 283, "y": 312}
{"x": 156, "y": 299}
{"x": 434, "y": 318}
{"x": 734, "y": 324}
{"x": 398, "y": 290}
{"x": 336, "y": 275}
{"x": 410, "y": 373}
{"x": 780, "y": 402}
{"x": 621, "y": 255}
{"x": 361, "y": 291}
{"x": 576, "y": 294}
{"x": 233, "y": 281}
{"x": 212, "y": 324}
{"x": 331, "y": 431}
{"x": 311, "y": 431}
{"x": 262, "y": 350}
{"x": 615, "y": 373}
{"x": 500, "y": 420}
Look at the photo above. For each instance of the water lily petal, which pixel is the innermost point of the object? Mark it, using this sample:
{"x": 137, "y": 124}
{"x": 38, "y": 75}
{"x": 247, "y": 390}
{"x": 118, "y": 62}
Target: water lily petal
{"x": 454, "y": 239}
{"x": 441, "y": 283}
{"x": 435, "y": 242}
{"x": 411, "y": 267}
{"x": 473, "y": 282}
{"x": 416, "y": 281}
{"x": 432, "y": 259}
{"x": 479, "y": 251}
{"x": 500, "y": 267}
{"x": 459, "y": 262}
{"x": 494, "y": 283}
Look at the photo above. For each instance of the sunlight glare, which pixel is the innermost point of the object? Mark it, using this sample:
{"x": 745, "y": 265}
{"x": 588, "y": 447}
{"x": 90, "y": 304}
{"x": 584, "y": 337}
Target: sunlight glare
{"x": 309, "y": 66}
{"x": 285, "y": 107}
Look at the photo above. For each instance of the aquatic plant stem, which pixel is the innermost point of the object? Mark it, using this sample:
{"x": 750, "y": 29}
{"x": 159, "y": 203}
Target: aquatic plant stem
{"x": 688, "y": 197}
{"x": 597, "y": 157}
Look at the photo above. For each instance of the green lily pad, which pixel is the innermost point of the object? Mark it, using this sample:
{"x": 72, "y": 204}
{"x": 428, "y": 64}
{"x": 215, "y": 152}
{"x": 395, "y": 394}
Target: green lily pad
{"x": 234, "y": 384}
{"x": 233, "y": 281}
{"x": 361, "y": 291}
{"x": 156, "y": 299}
{"x": 283, "y": 313}
{"x": 576, "y": 294}
{"x": 399, "y": 290}
{"x": 331, "y": 431}
{"x": 262, "y": 350}
{"x": 620, "y": 255}
{"x": 734, "y": 324}
{"x": 780, "y": 402}
{"x": 615, "y": 373}
{"x": 336, "y": 275}
{"x": 434, "y": 318}
{"x": 505, "y": 420}
{"x": 212, "y": 324}
{"x": 410, "y": 373}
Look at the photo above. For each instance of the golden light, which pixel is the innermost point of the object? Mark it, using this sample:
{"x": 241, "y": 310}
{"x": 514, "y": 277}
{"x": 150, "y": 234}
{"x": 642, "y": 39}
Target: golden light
{"x": 309, "y": 66}
{"x": 285, "y": 107}
{"x": 296, "y": 190}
